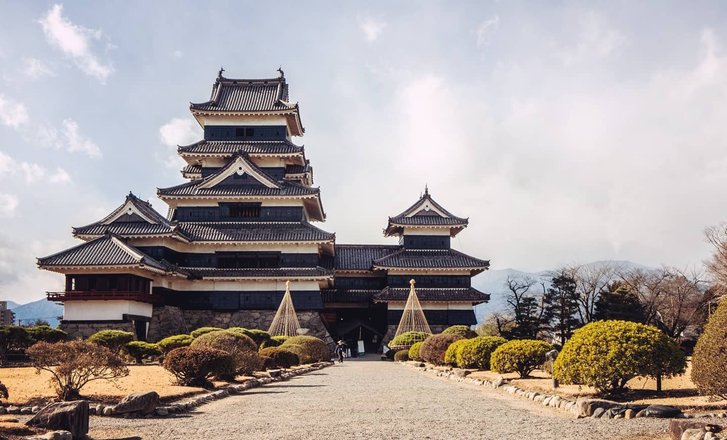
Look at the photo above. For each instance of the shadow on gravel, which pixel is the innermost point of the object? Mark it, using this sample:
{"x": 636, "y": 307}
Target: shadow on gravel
{"x": 295, "y": 386}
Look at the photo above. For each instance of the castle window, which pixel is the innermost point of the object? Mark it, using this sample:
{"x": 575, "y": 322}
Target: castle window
{"x": 242, "y": 210}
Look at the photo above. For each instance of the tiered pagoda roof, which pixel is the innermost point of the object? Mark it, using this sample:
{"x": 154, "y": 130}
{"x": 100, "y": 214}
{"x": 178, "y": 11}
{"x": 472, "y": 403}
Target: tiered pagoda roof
{"x": 250, "y": 96}
{"x": 438, "y": 294}
{"x": 360, "y": 257}
{"x": 229, "y": 148}
{"x": 254, "y": 232}
{"x": 431, "y": 259}
{"x": 425, "y": 213}
{"x": 108, "y": 251}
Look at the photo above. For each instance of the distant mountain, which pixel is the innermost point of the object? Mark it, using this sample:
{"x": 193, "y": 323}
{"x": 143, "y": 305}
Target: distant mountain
{"x": 41, "y": 309}
{"x": 494, "y": 282}
{"x": 12, "y": 304}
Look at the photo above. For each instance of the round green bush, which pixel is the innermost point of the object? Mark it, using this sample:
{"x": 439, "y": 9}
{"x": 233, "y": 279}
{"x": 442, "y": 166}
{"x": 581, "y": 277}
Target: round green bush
{"x": 476, "y": 352}
{"x": 203, "y": 330}
{"x": 242, "y": 349}
{"x": 434, "y": 347}
{"x": 453, "y": 355}
{"x": 170, "y": 343}
{"x": 710, "y": 356}
{"x": 277, "y": 341}
{"x": 406, "y": 340}
{"x": 521, "y": 356}
{"x": 260, "y": 337}
{"x": 280, "y": 358}
{"x": 141, "y": 350}
{"x": 401, "y": 356}
{"x": 308, "y": 348}
{"x": 114, "y": 340}
{"x": 607, "y": 354}
{"x": 46, "y": 333}
{"x": 414, "y": 351}
{"x": 193, "y": 366}
{"x": 463, "y": 330}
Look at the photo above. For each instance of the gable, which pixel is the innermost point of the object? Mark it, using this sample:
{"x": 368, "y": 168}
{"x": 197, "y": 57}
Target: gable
{"x": 240, "y": 172}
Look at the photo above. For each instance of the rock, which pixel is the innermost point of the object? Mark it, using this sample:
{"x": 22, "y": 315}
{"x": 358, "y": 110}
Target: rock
{"x": 584, "y": 407}
{"x": 3, "y": 410}
{"x": 630, "y": 413}
{"x": 161, "y": 411}
{"x": 677, "y": 427}
{"x": 35, "y": 409}
{"x": 598, "y": 413}
{"x": 26, "y": 410}
{"x": 275, "y": 373}
{"x": 58, "y": 435}
{"x": 12, "y": 409}
{"x": 554, "y": 401}
{"x": 461, "y": 373}
{"x": 67, "y": 416}
{"x": 498, "y": 382}
{"x": 108, "y": 410}
{"x": 659, "y": 411}
{"x": 710, "y": 436}
{"x": 144, "y": 403}
{"x": 693, "y": 434}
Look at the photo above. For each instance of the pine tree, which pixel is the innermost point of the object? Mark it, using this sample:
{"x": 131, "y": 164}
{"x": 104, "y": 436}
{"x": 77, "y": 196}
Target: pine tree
{"x": 560, "y": 304}
{"x": 616, "y": 301}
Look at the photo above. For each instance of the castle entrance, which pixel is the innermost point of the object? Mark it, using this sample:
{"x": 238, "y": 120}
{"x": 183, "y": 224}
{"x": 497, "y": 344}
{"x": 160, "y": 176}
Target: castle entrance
{"x": 358, "y": 324}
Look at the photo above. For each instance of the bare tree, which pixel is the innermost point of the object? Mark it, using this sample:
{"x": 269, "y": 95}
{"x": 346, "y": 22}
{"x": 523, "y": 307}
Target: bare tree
{"x": 717, "y": 265}
{"x": 674, "y": 300}
{"x": 591, "y": 280}
{"x": 526, "y": 308}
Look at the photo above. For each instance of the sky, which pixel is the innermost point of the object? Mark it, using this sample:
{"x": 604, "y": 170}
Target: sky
{"x": 567, "y": 132}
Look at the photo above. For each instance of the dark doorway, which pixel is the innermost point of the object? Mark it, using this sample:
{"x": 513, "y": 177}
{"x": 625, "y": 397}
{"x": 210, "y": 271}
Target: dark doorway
{"x": 367, "y": 324}
{"x": 140, "y": 330}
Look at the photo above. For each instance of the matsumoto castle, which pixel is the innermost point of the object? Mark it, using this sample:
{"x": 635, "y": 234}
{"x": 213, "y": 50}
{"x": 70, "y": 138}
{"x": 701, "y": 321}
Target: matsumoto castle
{"x": 243, "y": 224}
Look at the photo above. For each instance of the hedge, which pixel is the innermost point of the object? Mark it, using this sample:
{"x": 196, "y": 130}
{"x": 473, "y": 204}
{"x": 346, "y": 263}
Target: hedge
{"x": 453, "y": 355}
{"x": 280, "y": 357}
{"x": 463, "y": 330}
{"x": 406, "y": 340}
{"x": 193, "y": 366}
{"x": 114, "y": 340}
{"x": 476, "y": 352}
{"x": 434, "y": 347}
{"x": 401, "y": 356}
{"x": 170, "y": 343}
{"x": 308, "y": 348}
{"x": 709, "y": 361}
{"x": 242, "y": 349}
{"x": 521, "y": 356}
{"x": 414, "y": 351}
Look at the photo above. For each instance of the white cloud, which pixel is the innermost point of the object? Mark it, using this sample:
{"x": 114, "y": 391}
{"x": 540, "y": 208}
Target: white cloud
{"x": 34, "y": 68}
{"x": 31, "y": 172}
{"x": 8, "y": 205}
{"x": 371, "y": 28}
{"x": 486, "y": 29}
{"x": 177, "y": 54}
{"x": 12, "y": 113}
{"x": 75, "y": 142}
{"x": 179, "y": 131}
{"x": 596, "y": 39}
{"x": 75, "y": 42}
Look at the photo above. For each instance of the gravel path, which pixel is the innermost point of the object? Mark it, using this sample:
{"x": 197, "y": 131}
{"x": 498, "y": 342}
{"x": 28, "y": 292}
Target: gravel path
{"x": 372, "y": 400}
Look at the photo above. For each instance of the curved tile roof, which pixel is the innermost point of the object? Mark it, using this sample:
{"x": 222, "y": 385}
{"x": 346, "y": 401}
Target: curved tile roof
{"x": 247, "y": 95}
{"x": 430, "y": 259}
{"x": 287, "y": 188}
{"x": 360, "y": 257}
{"x": 254, "y": 231}
{"x": 125, "y": 229}
{"x": 433, "y": 294}
{"x": 231, "y": 147}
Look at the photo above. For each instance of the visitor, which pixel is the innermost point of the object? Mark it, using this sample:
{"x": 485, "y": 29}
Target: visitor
{"x": 340, "y": 350}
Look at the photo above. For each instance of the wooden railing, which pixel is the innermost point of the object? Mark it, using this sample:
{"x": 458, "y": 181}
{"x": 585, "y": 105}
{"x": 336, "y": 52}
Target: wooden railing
{"x": 96, "y": 295}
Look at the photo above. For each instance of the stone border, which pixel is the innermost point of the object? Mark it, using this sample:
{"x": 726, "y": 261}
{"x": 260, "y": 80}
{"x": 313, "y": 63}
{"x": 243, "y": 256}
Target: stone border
{"x": 581, "y": 407}
{"x": 100, "y": 409}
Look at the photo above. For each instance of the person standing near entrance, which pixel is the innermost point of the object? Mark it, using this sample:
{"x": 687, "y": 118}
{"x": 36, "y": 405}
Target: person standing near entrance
{"x": 340, "y": 350}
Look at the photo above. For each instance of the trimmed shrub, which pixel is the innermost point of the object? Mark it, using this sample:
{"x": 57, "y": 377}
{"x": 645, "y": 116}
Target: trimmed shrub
{"x": 46, "y": 333}
{"x": 406, "y": 340}
{"x": 308, "y": 348}
{"x": 434, "y": 347}
{"x": 13, "y": 339}
{"x": 141, "y": 350}
{"x": 280, "y": 357}
{"x": 193, "y": 366}
{"x": 170, "y": 343}
{"x": 607, "y": 354}
{"x": 414, "y": 351}
{"x": 114, "y": 340}
{"x": 277, "y": 341}
{"x": 260, "y": 337}
{"x": 462, "y": 330}
{"x": 521, "y": 356}
{"x": 202, "y": 331}
{"x": 401, "y": 356}
{"x": 73, "y": 364}
{"x": 476, "y": 352}
{"x": 242, "y": 349}
{"x": 453, "y": 355}
{"x": 710, "y": 356}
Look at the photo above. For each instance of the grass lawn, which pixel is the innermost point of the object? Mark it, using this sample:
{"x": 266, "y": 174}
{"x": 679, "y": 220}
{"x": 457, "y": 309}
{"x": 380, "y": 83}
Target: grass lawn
{"x": 26, "y": 387}
{"x": 677, "y": 390}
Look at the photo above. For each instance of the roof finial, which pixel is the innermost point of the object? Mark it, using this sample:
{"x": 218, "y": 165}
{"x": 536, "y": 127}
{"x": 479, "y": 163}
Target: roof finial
{"x": 219, "y": 74}
{"x": 412, "y": 282}
{"x": 426, "y": 189}
{"x": 282, "y": 74}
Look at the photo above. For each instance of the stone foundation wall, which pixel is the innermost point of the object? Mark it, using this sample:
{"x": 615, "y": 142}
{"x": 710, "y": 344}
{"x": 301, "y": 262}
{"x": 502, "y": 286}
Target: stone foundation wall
{"x": 83, "y": 330}
{"x": 167, "y": 321}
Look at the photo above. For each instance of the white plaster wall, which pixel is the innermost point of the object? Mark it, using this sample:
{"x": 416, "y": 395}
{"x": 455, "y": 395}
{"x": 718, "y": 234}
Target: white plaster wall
{"x": 103, "y": 310}
{"x": 411, "y": 273}
{"x": 243, "y": 120}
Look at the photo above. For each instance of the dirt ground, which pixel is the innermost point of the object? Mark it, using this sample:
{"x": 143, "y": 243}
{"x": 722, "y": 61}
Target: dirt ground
{"x": 26, "y": 387}
{"x": 679, "y": 390}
